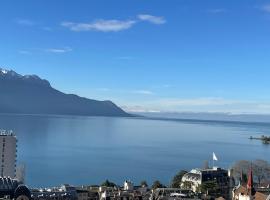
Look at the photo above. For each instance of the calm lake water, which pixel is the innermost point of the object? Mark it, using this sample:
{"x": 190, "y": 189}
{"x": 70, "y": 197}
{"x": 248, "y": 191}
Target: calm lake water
{"x": 88, "y": 150}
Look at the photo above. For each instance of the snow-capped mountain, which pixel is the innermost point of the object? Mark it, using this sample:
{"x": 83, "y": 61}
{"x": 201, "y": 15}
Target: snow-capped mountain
{"x": 29, "y": 94}
{"x": 12, "y": 75}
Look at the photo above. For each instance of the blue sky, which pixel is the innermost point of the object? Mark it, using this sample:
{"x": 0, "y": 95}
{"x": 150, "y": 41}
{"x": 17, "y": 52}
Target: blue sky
{"x": 145, "y": 55}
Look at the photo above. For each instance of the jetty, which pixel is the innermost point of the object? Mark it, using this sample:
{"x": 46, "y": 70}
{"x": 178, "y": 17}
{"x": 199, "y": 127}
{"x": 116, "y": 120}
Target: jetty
{"x": 263, "y": 138}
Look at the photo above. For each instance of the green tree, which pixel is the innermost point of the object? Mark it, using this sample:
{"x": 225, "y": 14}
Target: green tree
{"x": 244, "y": 178}
{"x": 157, "y": 184}
{"x": 177, "y": 179}
{"x": 209, "y": 187}
{"x": 107, "y": 183}
{"x": 187, "y": 185}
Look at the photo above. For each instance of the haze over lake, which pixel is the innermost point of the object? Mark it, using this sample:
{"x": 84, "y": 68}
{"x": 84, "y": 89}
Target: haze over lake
{"x": 88, "y": 150}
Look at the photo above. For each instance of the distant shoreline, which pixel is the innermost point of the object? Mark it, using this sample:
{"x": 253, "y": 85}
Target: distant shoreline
{"x": 210, "y": 117}
{"x": 134, "y": 116}
{"x": 62, "y": 115}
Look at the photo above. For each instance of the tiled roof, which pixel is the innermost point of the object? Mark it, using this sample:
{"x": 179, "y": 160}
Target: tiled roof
{"x": 260, "y": 196}
{"x": 241, "y": 190}
{"x": 220, "y": 198}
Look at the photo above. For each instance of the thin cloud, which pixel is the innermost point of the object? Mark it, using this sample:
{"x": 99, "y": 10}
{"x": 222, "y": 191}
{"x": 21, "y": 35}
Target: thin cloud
{"x": 152, "y": 19}
{"x": 24, "y": 22}
{"x": 144, "y": 92}
{"x": 124, "y": 58}
{"x": 166, "y": 86}
{"x": 24, "y": 52}
{"x": 266, "y": 8}
{"x": 217, "y": 11}
{"x": 162, "y": 86}
{"x": 197, "y": 102}
{"x": 103, "y": 89}
{"x": 208, "y": 104}
{"x": 100, "y": 25}
{"x": 30, "y": 23}
{"x": 138, "y": 109}
{"x": 59, "y": 50}
{"x": 46, "y": 28}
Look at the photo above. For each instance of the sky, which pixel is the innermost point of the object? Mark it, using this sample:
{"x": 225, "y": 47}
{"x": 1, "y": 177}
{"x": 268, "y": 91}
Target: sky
{"x": 145, "y": 55}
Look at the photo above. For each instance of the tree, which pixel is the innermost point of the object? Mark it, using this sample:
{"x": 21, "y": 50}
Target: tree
{"x": 260, "y": 168}
{"x": 244, "y": 178}
{"x": 187, "y": 185}
{"x": 177, "y": 179}
{"x": 209, "y": 187}
{"x": 157, "y": 184}
{"x": 107, "y": 183}
{"x": 144, "y": 184}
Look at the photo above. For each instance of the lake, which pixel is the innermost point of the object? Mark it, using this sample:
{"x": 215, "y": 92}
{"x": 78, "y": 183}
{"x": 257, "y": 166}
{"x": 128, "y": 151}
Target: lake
{"x": 88, "y": 150}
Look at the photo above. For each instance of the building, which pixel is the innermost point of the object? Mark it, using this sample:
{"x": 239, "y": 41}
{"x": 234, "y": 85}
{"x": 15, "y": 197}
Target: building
{"x": 12, "y": 189}
{"x": 89, "y": 192}
{"x": 241, "y": 193}
{"x": 248, "y": 192}
{"x": 192, "y": 180}
{"x": 64, "y": 192}
{"x": 127, "y": 192}
{"x": 172, "y": 194}
{"x": 82, "y": 194}
{"x": 8, "y": 153}
{"x": 128, "y": 185}
{"x": 197, "y": 180}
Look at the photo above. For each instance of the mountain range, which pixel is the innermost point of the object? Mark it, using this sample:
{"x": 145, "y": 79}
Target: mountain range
{"x": 29, "y": 94}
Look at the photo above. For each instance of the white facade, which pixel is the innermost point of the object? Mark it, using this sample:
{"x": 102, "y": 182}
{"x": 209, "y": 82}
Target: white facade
{"x": 128, "y": 185}
{"x": 8, "y": 154}
{"x": 194, "y": 178}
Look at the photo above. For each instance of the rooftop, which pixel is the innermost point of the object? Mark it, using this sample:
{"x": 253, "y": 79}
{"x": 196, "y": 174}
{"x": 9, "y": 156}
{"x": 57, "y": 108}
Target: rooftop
{"x": 6, "y": 132}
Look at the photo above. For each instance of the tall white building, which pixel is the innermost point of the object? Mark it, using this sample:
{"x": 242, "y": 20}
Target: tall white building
{"x": 8, "y": 154}
{"x": 128, "y": 185}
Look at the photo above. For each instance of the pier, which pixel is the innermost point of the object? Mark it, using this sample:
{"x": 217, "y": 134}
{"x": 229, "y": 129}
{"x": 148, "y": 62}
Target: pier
{"x": 264, "y": 139}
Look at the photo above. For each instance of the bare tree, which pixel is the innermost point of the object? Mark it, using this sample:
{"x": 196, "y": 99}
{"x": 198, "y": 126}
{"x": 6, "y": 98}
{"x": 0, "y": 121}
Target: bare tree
{"x": 260, "y": 168}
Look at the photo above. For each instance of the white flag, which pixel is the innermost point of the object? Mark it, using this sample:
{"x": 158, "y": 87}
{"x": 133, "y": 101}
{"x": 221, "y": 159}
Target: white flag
{"x": 214, "y": 157}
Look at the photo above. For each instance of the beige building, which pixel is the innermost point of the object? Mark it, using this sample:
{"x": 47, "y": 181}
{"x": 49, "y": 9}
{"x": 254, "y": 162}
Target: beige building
{"x": 8, "y": 154}
{"x": 242, "y": 193}
{"x": 82, "y": 194}
{"x": 248, "y": 192}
